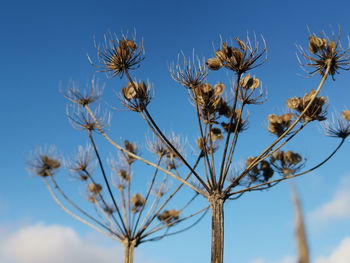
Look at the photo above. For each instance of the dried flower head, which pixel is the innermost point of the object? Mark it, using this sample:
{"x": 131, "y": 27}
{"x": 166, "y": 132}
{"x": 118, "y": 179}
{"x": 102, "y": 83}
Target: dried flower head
{"x": 259, "y": 173}
{"x": 90, "y": 94}
{"x": 155, "y": 146}
{"x": 324, "y": 53}
{"x": 216, "y": 134}
{"x": 240, "y": 59}
{"x": 279, "y": 124}
{"x": 44, "y": 162}
{"x": 80, "y": 119}
{"x": 169, "y": 216}
{"x": 137, "y": 201}
{"x": 251, "y": 83}
{"x": 115, "y": 56}
{"x": 136, "y": 96}
{"x": 238, "y": 121}
{"x": 338, "y": 127}
{"x": 314, "y": 112}
{"x": 95, "y": 188}
{"x": 286, "y": 163}
{"x": 189, "y": 73}
{"x": 131, "y": 148}
{"x": 83, "y": 165}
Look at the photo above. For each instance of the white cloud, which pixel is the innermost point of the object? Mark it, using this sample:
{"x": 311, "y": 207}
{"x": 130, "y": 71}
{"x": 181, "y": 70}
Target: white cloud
{"x": 335, "y": 209}
{"x": 339, "y": 255}
{"x": 55, "y": 244}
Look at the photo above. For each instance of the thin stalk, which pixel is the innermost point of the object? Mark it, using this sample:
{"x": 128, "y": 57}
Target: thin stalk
{"x": 113, "y": 235}
{"x": 138, "y": 157}
{"x": 291, "y": 176}
{"x": 106, "y": 181}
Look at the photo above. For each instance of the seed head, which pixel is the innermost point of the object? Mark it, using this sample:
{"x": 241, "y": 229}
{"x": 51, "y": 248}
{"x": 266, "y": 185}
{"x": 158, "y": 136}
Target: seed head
{"x": 137, "y": 201}
{"x": 324, "y": 53}
{"x": 43, "y": 163}
{"x": 95, "y": 188}
{"x": 117, "y": 56}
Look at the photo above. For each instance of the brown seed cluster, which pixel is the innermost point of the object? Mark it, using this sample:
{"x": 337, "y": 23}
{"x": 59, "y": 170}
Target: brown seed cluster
{"x": 44, "y": 165}
{"x": 249, "y": 82}
{"x": 95, "y": 188}
{"x": 138, "y": 202}
{"x": 279, "y": 124}
{"x": 209, "y": 98}
{"x": 136, "y": 96}
{"x": 131, "y": 148}
{"x": 169, "y": 216}
{"x": 118, "y": 56}
{"x": 325, "y": 53}
{"x": 238, "y": 59}
{"x": 261, "y": 173}
{"x": 314, "y": 112}
{"x": 286, "y": 162}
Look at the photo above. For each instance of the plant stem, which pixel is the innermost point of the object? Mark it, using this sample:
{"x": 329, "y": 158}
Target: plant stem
{"x": 217, "y": 228}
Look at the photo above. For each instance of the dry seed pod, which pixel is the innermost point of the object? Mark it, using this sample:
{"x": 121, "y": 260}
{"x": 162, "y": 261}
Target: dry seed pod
{"x": 95, "y": 188}
{"x": 346, "y": 115}
{"x": 219, "y": 88}
{"x": 129, "y": 92}
{"x": 214, "y": 63}
{"x": 138, "y": 201}
{"x": 220, "y": 55}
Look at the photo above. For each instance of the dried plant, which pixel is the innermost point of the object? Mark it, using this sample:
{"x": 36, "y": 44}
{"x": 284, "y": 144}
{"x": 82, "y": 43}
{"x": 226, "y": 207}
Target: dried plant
{"x": 129, "y": 217}
{"x": 221, "y": 116}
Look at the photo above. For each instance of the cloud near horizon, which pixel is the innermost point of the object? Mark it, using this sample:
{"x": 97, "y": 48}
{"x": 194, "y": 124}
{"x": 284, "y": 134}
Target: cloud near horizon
{"x": 337, "y": 208}
{"x": 40, "y": 243}
{"x": 340, "y": 254}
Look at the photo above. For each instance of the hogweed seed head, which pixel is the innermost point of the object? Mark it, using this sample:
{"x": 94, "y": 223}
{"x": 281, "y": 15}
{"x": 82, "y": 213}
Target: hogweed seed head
{"x": 115, "y": 56}
{"x": 95, "y": 188}
{"x": 324, "y": 53}
{"x": 44, "y": 163}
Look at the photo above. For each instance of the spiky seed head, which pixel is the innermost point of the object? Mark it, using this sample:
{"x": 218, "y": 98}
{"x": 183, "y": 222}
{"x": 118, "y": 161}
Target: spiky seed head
{"x": 95, "y": 188}
{"x": 124, "y": 174}
{"x": 346, "y": 115}
{"x": 214, "y": 64}
{"x": 138, "y": 201}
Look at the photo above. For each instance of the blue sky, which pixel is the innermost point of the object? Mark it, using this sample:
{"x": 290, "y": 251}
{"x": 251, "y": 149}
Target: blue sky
{"x": 45, "y": 45}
